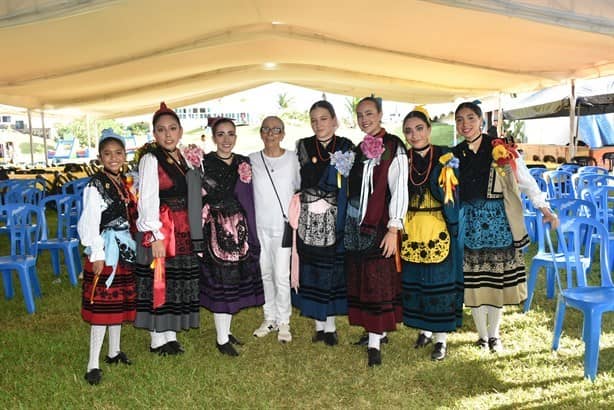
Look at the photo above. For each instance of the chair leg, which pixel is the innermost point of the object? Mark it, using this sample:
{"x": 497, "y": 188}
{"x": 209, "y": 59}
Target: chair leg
{"x": 7, "y": 281}
{"x": 559, "y": 317}
{"x": 592, "y": 331}
{"x": 55, "y": 261}
{"x": 26, "y": 288}
{"x": 36, "y": 287}
{"x": 70, "y": 266}
{"x": 531, "y": 285}
{"x": 550, "y": 282}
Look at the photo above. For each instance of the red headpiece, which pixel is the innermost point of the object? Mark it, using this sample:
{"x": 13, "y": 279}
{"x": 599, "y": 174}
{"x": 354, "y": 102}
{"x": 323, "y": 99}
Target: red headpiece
{"x": 164, "y": 110}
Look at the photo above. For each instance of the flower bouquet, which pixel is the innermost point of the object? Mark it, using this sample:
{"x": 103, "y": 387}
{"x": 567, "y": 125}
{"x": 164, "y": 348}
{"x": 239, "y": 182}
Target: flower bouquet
{"x": 343, "y": 162}
{"x": 504, "y": 154}
{"x": 447, "y": 180}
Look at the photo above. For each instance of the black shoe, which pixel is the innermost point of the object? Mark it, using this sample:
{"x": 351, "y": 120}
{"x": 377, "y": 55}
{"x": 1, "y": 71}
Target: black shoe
{"x": 227, "y": 348}
{"x": 330, "y": 338}
{"x": 375, "y": 357}
{"x": 119, "y": 358}
{"x": 364, "y": 340}
{"x": 234, "y": 340}
{"x": 166, "y": 349}
{"x": 93, "y": 376}
{"x": 422, "y": 341}
{"x": 174, "y": 347}
{"x": 481, "y": 343}
{"x": 318, "y": 336}
{"x": 494, "y": 344}
{"x": 439, "y": 352}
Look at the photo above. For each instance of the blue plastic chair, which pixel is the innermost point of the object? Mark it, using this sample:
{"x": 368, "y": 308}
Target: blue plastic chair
{"x": 75, "y": 187}
{"x": 565, "y": 208}
{"x": 24, "y": 230}
{"x": 560, "y": 184}
{"x": 62, "y": 240}
{"x": 568, "y": 167}
{"x": 592, "y": 169}
{"x": 575, "y": 291}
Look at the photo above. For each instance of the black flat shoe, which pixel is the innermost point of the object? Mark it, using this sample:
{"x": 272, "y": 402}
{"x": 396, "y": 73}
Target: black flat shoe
{"x": 234, "y": 340}
{"x": 494, "y": 344}
{"x": 174, "y": 347}
{"x": 330, "y": 338}
{"x": 94, "y": 376}
{"x": 481, "y": 343}
{"x": 318, "y": 336}
{"x": 119, "y": 358}
{"x": 439, "y": 352}
{"x": 375, "y": 357}
{"x": 422, "y": 341}
{"x": 364, "y": 340}
{"x": 164, "y": 350}
{"x": 227, "y": 349}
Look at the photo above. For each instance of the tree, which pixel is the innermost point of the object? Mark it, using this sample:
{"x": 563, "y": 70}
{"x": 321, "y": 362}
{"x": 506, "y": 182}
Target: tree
{"x": 351, "y": 103}
{"x": 515, "y": 129}
{"x": 284, "y": 100}
{"x": 78, "y": 130}
{"x": 139, "y": 128}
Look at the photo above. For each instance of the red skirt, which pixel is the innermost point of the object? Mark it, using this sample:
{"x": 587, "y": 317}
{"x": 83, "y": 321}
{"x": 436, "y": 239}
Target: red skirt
{"x": 374, "y": 292}
{"x": 112, "y": 306}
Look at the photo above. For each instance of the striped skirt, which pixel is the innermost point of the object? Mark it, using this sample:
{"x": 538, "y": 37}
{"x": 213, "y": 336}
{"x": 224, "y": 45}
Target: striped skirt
{"x": 494, "y": 277}
{"x": 112, "y": 306}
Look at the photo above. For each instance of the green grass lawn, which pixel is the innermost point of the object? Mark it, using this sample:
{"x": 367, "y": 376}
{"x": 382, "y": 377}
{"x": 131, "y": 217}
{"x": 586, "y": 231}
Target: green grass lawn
{"x": 43, "y": 358}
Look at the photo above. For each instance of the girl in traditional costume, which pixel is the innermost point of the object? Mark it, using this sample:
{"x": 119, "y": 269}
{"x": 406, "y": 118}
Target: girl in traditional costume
{"x": 109, "y": 290}
{"x": 491, "y": 176}
{"x": 167, "y": 271}
{"x": 430, "y": 249}
{"x": 320, "y": 288}
{"x": 376, "y": 207}
{"x": 223, "y": 228}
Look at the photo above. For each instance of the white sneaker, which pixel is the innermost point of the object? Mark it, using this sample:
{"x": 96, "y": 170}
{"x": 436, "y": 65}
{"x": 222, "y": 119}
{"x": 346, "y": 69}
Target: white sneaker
{"x": 265, "y": 328}
{"x": 284, "y": 334}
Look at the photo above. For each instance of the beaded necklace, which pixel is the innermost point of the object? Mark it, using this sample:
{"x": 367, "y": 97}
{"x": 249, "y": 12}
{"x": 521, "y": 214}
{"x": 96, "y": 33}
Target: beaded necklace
{"x": 334, "y": 138}
{"x": 412, "y": 169}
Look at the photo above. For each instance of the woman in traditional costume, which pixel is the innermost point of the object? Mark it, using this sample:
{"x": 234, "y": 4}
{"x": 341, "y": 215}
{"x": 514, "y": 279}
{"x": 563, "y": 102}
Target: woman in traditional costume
{"x": 167, "y": 271}
{"x": 320, "y": 288}
{"x": 491, "y": 175}
{"x": 223, "y": 227}
{"x": 376, "y": 207}
{"x": 430, "y": 249}
{"x": 109, "y": 289}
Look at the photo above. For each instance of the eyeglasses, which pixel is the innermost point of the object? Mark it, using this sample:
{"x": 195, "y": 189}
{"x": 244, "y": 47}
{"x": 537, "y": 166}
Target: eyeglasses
{"x": 274, "y": 130}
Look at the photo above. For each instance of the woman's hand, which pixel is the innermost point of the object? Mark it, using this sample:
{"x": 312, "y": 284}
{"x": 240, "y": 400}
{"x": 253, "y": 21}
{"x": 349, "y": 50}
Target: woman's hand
{"x": 97, "y": 267}
{"x": 550, "y": 217}
{"x": 389, "y": 243}
{"x": 157, "y": 249}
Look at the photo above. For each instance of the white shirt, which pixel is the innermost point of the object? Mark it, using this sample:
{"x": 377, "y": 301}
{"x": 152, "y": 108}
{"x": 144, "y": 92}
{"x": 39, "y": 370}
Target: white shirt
{"x": 397, "y": 183}
{"x": 285, "y": 173}
{"x": 149, "y": 197}
{"x": 89, "y": 223}
{"x": 529, "y": 187}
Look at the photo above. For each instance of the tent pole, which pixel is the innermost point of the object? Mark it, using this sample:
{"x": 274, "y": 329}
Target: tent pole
{"x": 500, "y": 118}
{"x": 44, "y": 138}
{"x": 30, "y": 131}
{"x": 572, "y": 119}
{"x": 89, "y": 137}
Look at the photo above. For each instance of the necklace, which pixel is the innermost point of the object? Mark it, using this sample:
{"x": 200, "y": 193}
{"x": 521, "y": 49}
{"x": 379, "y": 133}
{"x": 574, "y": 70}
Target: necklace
{"x": 179, "y": 163}
{"x": 224, "y": 158}
{"x": 474, "y": 140}
{"x": 314, "y": 159}
{"x": 426, "y": 173}
{"x": 118, "y": 183}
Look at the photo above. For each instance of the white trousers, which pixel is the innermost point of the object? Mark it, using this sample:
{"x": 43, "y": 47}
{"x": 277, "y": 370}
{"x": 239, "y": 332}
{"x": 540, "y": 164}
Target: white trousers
{"x": 275, "y": 267}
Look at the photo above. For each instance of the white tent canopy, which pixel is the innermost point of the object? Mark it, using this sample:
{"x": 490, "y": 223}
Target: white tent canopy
{"x": 114, "y": 58}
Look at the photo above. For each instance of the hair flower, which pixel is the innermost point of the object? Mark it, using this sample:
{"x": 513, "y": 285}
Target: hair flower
{"x": 373, "y": 147}
{"x": 245, "y": 172}
{"x": 193, "y": 155}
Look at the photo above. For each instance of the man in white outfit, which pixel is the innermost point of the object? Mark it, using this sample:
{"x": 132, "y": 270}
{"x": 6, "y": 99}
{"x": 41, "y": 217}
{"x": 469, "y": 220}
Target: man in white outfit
{"x": 275, "y": 176}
